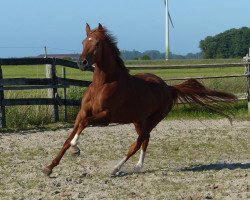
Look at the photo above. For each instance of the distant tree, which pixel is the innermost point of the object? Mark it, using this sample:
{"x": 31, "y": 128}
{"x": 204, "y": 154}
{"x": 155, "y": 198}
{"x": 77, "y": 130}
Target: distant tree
{"x": 175, "y": 56}
{"x": 193, "y": 56}
{"x": 232, "y": 43}
{"x": 153, "y": 54}
{"x": 145, "y": 57}
{"x": 130, "y": 55}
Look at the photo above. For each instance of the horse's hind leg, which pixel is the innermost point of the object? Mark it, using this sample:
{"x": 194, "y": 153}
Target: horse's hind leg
{"x": 139, "y": 165}
{"x": 143, "y": 138}
{"x": 147, "y": 128}
{"x": 132, "y": 150}
{"x": 150, "y": 123}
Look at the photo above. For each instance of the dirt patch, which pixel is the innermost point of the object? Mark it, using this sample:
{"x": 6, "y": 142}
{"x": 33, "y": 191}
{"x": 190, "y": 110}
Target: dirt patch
{"x": 185, "y": 160}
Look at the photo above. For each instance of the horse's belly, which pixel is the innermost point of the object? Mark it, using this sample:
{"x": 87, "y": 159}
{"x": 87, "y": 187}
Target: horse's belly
{"x": 129, "y": 114}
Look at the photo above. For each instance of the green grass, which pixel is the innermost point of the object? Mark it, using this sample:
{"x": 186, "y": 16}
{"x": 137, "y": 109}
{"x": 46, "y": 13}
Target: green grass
{"x": 181, "y": 111}
{"x": 183, "y": 73}
{"x": 33, "y": 116}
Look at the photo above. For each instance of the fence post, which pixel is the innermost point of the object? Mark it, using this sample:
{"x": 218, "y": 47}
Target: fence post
{"x": 247, "y": 63}
{"x": 2, "y": 108}
{"x": 52, "y": 92}
{"x": 248, "y": 77}
{"x": 65, "y": 96}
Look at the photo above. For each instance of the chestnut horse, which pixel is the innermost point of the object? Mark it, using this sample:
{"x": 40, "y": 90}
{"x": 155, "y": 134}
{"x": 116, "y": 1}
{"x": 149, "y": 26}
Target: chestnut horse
{"x": 115, "y": 96}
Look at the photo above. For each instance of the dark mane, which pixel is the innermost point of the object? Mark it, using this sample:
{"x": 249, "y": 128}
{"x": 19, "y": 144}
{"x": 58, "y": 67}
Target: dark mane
{"x": 111, "y": 40}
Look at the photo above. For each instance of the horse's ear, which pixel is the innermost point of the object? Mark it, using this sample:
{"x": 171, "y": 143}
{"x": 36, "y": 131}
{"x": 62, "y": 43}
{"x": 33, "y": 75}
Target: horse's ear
{"x": 88, "y": 30}
{"x": 100, "y": 27}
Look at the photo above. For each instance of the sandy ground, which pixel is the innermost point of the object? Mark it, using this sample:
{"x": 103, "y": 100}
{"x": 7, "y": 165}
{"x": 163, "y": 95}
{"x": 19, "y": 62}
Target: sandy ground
{"x": 185, "y": 160}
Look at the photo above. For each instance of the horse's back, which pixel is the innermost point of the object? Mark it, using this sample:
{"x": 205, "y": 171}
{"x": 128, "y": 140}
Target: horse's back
{"x": 162, "y": 94}
{"x": 151, "y": 78}
{"x": 151, "y": 92}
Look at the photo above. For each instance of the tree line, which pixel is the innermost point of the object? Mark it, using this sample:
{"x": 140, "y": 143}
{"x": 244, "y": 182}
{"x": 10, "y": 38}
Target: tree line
{"x": 233, "y": 43}
{"x": 155, "y": 55}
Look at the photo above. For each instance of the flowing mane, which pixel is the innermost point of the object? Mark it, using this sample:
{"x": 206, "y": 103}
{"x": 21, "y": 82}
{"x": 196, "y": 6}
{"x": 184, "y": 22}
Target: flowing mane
{"x": 112, "y": 42}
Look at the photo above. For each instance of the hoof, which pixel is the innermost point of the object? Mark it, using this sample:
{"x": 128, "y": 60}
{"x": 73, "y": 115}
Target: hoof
{"x": 47, "y": 171}
{"x": 118, "y": 174}
{"x": 75, "y": 151}
{"x": 115, "y": 172}
{"x": 137, "y": 168}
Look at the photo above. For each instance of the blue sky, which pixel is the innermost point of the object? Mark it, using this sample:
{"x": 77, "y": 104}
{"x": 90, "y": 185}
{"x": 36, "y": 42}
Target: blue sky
{"x": 137, "y": 24}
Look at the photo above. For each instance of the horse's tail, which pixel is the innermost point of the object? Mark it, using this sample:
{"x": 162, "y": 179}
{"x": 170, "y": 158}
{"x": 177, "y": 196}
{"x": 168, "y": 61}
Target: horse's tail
{"x": 193, "y": 92}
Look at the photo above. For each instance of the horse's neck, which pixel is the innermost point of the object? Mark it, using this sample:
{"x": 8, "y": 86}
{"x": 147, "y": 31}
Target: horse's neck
{"x": 108, "y": 71}
{"x": 99, "y": 77}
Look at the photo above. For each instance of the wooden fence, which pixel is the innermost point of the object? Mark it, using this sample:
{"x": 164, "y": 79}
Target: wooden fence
{"x": 52, "y": 82}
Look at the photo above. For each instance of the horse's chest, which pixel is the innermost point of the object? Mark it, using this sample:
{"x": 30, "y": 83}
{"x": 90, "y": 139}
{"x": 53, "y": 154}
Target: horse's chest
{"x": 101, "y": 98}
{"x": 97, "y": 104}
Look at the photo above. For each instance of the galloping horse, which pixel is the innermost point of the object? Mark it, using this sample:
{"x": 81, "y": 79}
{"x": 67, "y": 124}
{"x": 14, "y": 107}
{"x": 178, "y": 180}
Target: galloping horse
{"x": 115, "y": 96}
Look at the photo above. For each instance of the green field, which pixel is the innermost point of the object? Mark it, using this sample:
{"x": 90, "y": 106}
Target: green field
{"x": 182, "y": 62}
{"x": 234, "y": 85}
{"x": 38, "y": 71}
{"x": 30, "y": 116}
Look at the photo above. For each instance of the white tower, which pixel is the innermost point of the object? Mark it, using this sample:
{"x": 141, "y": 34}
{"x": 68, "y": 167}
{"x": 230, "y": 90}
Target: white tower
{"x": 167, "y": 30}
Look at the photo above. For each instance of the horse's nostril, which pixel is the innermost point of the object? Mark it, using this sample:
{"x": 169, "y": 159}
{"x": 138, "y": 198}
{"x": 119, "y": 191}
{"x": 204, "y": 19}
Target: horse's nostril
{"x": 85, "y": 62}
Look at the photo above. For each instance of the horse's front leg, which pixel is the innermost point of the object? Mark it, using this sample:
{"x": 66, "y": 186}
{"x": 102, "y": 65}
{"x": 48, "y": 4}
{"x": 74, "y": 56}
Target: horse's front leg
{"x": 100, "y": 118}
{"x": 80, "y": 124}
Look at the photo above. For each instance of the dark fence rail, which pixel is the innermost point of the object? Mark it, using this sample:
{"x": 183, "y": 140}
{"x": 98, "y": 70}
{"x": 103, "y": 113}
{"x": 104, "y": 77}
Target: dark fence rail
{"x": 39, "y": 101}
{"x": 38, "y": 61}
{"x": 52, "y": 82}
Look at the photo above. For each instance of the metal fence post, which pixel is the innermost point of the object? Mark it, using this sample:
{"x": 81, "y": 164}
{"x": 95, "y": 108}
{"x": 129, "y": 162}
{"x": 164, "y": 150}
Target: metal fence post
{"x": 2, "y": 108}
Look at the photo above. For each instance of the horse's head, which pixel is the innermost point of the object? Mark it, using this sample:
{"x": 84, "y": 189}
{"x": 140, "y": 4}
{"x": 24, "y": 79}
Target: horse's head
{"x": 91, "y": 48}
